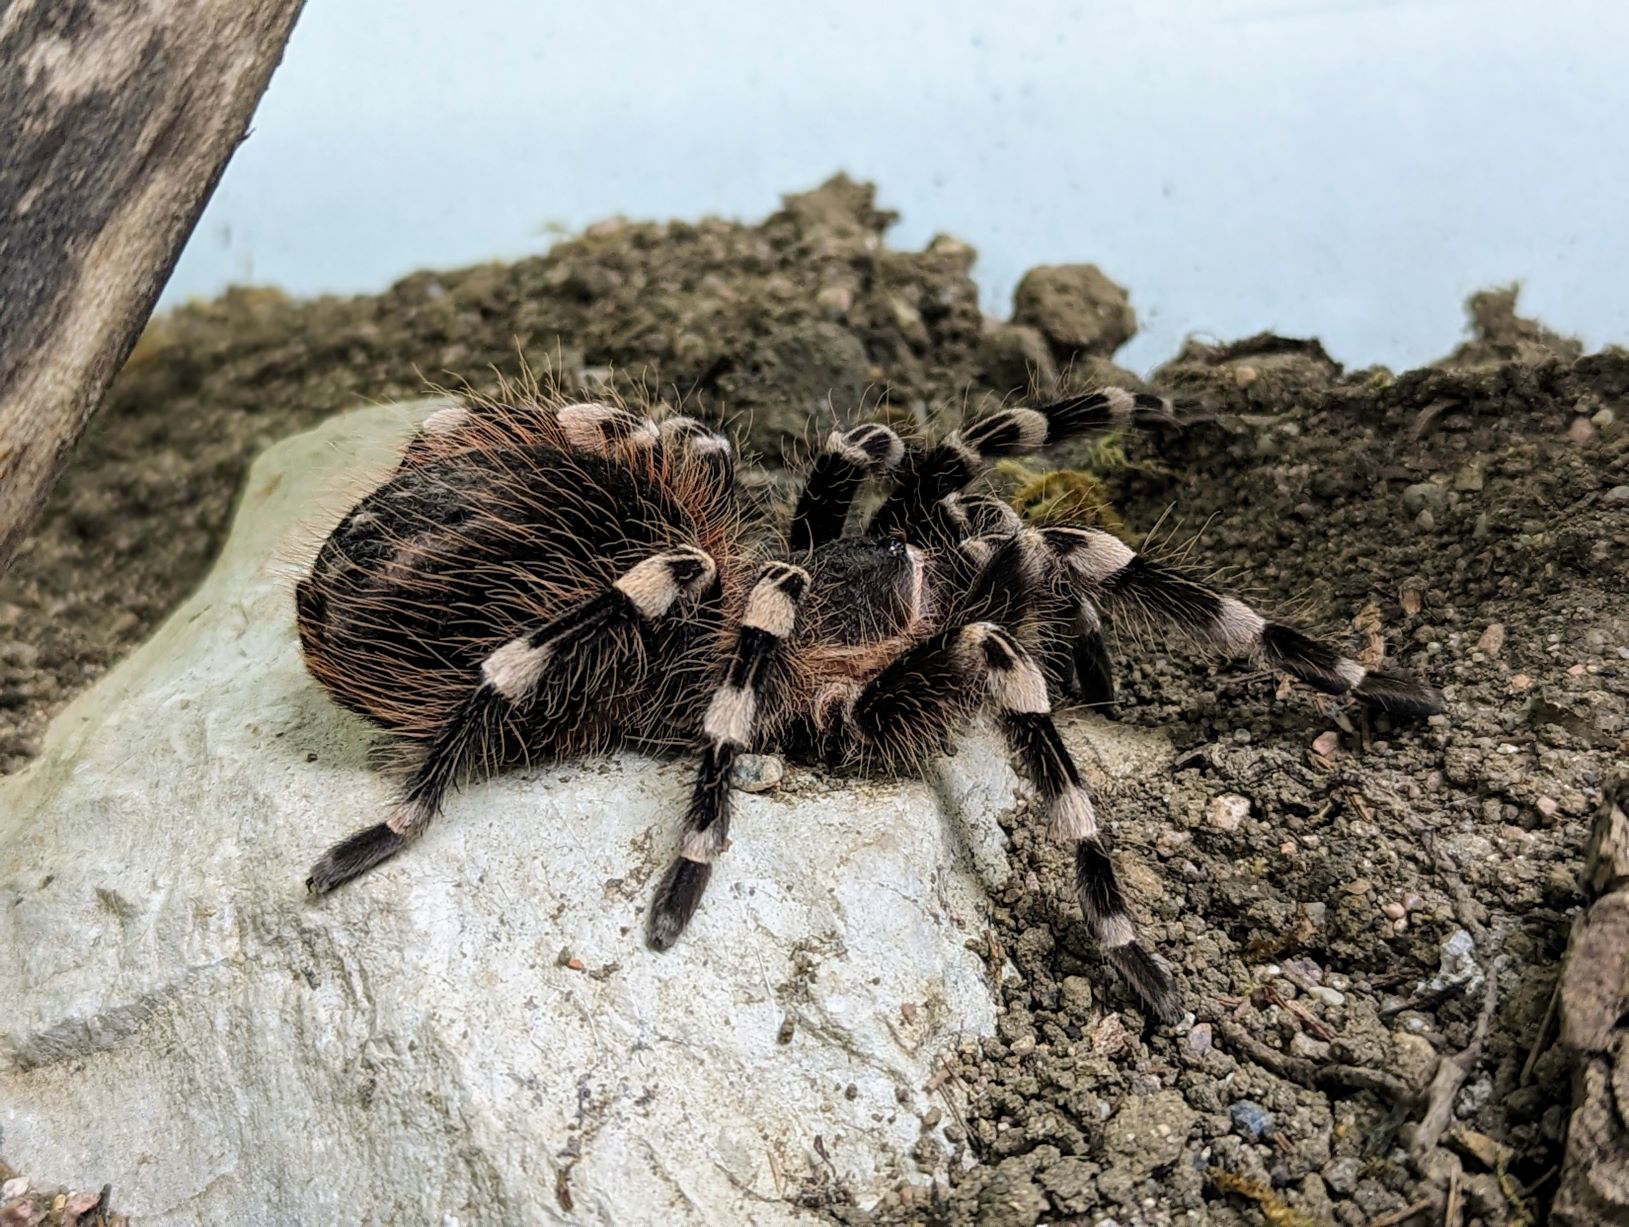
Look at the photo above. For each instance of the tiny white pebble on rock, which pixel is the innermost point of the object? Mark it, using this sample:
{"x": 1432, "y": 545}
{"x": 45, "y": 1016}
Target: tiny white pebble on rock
{"x": 757, "y": 772}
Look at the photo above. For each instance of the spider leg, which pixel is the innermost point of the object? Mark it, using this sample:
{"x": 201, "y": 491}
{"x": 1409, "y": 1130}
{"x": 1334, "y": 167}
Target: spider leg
{"x": 1094, "y": 667}
{"x": 834, "y": 479}
{"x": 932, "y": 473}
{"x": 510, "y": 679}
{"x": 588, "y": 426}
{"x": 687, "y": 436}
{"x": 731, "y": 721}
{"x": 1005, "y": 572}
{"x": 1106, "y": 571}
{"x": 918, "y": 699}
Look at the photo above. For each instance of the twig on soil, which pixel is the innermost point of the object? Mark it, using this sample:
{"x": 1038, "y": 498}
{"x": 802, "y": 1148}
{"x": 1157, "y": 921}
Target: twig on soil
{"x": 1302, "y": 1015}
{"x": 1311, "y": 1075}
{"x": 1451, "y": 1075}
{"x": 1466, "y": 909}
{"x": 1403, "y": 1215}
{"x": 1426, "y": 1001}
{"x": 1427, "y": 415}
{"x": 1546, "y": 1032}
{"x": 1453, "y": 1214}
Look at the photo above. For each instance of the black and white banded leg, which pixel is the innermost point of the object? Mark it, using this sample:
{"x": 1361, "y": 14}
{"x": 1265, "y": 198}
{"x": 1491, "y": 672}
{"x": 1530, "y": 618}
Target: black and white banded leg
{"x": 931, "y": 473}
{"x": 603, "y": 429}
{"x": 690, "y": 437}
{"x": 933, "y": 685}
{"x": 729, "y": 726}
{"x": 835, "y": 478}
{"x": 1018, "y": 696}
{"x": 441, "y": 430}
{"x": 1114, "y": 576}
{"x": 1094, "y": 667}
{"x": 572, "y": 645}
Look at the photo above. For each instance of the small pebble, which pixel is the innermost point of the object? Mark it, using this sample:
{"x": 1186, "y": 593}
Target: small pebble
{"x": 1582, "y": 430}
{"x": 1325, "y": 744}
{"x": 1394, "y": 910}
{"x": 757, "y": 772}
{"x": 1424, "y": 496}
{"x": 1227, "y": 811}
{"x": 1303, "y": 1045}
{"x": 1199, "y": 1039}
{"x": 932, "y": 1117}
{"x": 15, "y": 1187}
{"x": 1342, "y": 1175}
{"x": 1251, "y": 1120}
{"x": 835, "y": 299}
{"x": 1492, "y": 641}
{"x": 1616, "y": 496}
{"x": 1327, "y": 995}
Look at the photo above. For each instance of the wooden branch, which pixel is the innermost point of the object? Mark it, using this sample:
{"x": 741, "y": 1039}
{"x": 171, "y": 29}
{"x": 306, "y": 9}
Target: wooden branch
{"x": 1594, "y": 993}
{"x": 116, "y": 120}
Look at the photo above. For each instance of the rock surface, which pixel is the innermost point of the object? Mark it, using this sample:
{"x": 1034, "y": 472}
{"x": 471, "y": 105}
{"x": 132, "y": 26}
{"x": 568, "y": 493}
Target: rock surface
{"x": 475, "y": 1032}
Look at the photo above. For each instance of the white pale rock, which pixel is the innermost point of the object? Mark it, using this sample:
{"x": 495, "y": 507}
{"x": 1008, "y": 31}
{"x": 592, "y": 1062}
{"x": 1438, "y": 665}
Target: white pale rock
{"x": 178, "y": 1019}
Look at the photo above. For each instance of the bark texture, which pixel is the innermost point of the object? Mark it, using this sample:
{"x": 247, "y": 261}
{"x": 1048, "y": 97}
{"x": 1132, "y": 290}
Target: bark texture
{"x": 117, "y": 117}
{"x": 1595, "y": 1027}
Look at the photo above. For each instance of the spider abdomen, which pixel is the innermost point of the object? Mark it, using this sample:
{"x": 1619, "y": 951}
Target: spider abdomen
{"x": 453, "y": 557}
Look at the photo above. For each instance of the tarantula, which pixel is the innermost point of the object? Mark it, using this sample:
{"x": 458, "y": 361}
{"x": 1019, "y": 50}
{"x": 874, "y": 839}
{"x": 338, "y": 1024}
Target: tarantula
{"x": 548, "y": 579}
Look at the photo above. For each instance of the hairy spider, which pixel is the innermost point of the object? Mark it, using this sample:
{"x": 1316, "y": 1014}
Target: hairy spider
{"x": 544, "y": 579}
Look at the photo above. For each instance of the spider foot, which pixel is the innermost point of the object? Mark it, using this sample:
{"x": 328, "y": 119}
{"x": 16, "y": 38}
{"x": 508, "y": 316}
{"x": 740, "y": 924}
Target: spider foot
{"x": 353, "y": 856}
{"x": 677, "y": 898}
{"x": 1398, "y": 695}
{"x": 1150, "y": 979}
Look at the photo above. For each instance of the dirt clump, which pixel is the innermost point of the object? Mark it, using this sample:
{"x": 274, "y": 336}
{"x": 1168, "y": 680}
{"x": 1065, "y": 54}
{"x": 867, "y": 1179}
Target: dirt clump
{"x": 1367, "y": 918}
{"x": 1076, "y": 308}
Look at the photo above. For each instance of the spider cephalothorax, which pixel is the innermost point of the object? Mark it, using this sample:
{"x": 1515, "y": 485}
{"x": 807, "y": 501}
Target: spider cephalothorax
{"x": 542, "y": 579}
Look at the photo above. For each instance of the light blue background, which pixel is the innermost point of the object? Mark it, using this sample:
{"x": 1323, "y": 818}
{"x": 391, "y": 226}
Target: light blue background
{"x": 1345, "y": 168}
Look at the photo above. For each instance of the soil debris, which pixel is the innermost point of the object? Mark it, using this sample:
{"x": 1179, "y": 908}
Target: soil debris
{"x": 23, "y": 1205}
{"x": 1405, "y": 515}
